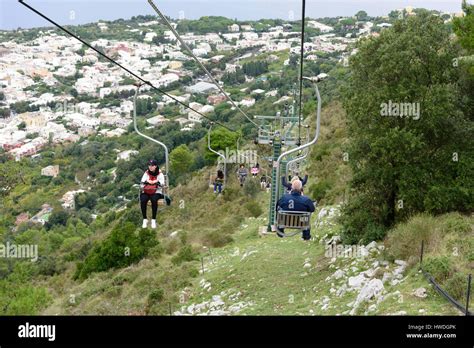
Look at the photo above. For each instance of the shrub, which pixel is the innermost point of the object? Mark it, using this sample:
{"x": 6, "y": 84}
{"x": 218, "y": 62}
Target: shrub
{"x": 217, "y": 239}
{"x": 254, "y": 208}
{"x": 251, "y": 187}
{"x": 438, "y": 267}
{"x": 456, "y": 286}
{"x": 404, "y": 241}
{"x": 155, "y": 296}
{"x": 185, "y": 254}
{"x": 133, "y": 215}
{"x": 358, "y": 224}
{"x": 121, "y": 248}
{"x": 230, "y": 194}
{"x": 318, "y": 191}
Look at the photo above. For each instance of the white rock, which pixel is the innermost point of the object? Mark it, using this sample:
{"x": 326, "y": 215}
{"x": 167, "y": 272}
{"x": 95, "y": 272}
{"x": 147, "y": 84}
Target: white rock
{"x": 338, "y": 274}
{"x": 357, "y": 281}
{"x": 394, "y": 282}
{"x": 363, "y": 251}
{"x": 400, "y": 263}
{"x": 173, "y": 234}
{"x": 190, "y": 309}
{"x": 371, "y": 245}
{"x": 341, "y": 291}
{"x": 322, "y": 213}
{"x": 373, "y": 288}
{"x": 386, "y": 276}
{"x": 307, "y": 265}
{"x": 420, "y": 292}
{"x": 370, "y": 272}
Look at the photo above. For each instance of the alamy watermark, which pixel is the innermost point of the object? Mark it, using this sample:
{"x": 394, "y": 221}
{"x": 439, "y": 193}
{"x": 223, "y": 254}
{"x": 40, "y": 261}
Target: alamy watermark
{"x": 68, "y": 108}
{"x": 238, "y": 156}
{"x": 345, "y": 251}
{"x": 396, "y": 109}
{"x": 20, "y": 251}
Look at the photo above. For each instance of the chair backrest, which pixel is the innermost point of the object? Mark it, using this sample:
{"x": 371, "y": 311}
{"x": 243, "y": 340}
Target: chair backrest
{"x": 300, "y": 220}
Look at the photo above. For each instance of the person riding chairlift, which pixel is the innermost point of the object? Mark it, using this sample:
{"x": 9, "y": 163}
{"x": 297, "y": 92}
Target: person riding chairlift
{"x": 219, "y": 181}
{"x": 151, "y": 185}
{"x": 296, "y": 201}
{"x": 255, "y": 170}
{"x": 287, "y": 185}
{"x": 242, "y": 173}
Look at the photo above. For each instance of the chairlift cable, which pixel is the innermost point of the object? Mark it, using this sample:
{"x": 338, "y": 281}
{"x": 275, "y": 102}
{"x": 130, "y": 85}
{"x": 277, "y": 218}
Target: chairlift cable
{"x": 178, "y": 37}
{"x": 300, "y": 111}
{"x": 118, "y": 64}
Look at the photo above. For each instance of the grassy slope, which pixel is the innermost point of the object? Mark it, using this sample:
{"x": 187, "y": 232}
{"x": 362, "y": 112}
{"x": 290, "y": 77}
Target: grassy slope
{"x": 270, "y": 276}
{"x": 252, "y": 275}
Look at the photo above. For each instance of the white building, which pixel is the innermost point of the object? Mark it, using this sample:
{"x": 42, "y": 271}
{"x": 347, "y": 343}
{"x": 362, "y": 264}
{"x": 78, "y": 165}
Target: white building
{"x": 157, "y": 120}
{"x": 234, "y": 28}
{"x": 125, "y": 155}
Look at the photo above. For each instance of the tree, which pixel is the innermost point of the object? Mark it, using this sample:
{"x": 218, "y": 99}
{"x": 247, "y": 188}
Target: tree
{"x": 22, "y": 125}
{"x": 402, "y": 166}
{"x": 221, "y": 140}
{"x": 464, "y": 28}
{"x": 181, "y": 160}
{"x": 4, "y": 112}
{"x": 86, "y": 200}
{"x": 57, "y": 217}
{"x": 362, "y": 16}
{"x": 9, "y": 177}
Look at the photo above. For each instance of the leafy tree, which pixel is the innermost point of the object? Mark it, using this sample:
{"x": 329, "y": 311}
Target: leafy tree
{"x": 4, "y": 112}
{"x": 86, "y": 200}
{"x": 221, "y": 140}
{"x": 255, "y": 68}
{"x": 10, "y": 176}
{"x": 362, "y": 16}
{"x": 404, "y": 165}
{"x": 57, "y": 217}
{"x": 464, "y": 29}
{"x": 181, "y": 160}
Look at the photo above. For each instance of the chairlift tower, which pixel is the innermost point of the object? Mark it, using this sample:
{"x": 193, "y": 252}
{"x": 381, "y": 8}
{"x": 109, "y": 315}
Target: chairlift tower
{"x": 277, "y": 134}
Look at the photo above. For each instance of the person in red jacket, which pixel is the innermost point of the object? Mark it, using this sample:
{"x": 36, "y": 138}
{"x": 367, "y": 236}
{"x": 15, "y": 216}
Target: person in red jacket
{"x": 152, "y": 190}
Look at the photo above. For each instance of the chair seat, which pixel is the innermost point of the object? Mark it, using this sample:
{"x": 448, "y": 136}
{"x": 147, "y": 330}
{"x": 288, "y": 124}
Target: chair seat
{"x": 300, "y": 220}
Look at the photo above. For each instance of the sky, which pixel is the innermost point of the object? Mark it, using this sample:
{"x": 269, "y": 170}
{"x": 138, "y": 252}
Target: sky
{"x": 73, "y": 12}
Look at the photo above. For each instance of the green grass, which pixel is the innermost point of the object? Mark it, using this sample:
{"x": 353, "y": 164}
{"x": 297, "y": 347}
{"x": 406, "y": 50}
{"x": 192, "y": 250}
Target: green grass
{"x": 272, "y": 278}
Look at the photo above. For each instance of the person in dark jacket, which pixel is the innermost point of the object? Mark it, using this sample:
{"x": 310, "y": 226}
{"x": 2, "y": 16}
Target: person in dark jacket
{"x": 219, "y": 181}
{"x": 287, "y": 184}
{"x": 295, "y": 201}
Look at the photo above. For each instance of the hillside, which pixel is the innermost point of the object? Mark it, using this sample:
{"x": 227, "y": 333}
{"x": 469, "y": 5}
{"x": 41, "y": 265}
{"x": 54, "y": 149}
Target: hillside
{"x": 385, "y": 182}
{"x": 220, "y": 235}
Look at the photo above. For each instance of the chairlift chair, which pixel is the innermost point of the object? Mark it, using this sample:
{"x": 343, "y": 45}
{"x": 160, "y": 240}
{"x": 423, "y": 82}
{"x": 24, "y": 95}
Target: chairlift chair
{"x": 164, "y": 188}
{"x": 296, "y": 220}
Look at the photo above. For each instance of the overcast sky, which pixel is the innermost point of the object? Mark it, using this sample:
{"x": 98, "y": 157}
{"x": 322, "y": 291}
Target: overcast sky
{"x": 14, "y": 15}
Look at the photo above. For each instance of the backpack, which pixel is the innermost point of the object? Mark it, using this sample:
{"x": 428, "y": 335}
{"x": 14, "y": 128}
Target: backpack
{"x": 148, "y": 188}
